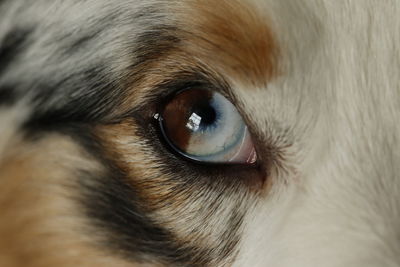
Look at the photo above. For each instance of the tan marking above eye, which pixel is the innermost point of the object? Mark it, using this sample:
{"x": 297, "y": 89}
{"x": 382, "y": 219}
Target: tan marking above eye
{"x": 233, "y": 37}
{"x": 226, "y": 40}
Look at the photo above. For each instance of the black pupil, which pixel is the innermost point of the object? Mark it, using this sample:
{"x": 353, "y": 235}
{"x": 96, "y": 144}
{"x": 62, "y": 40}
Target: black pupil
{"x": 206, "y": 112}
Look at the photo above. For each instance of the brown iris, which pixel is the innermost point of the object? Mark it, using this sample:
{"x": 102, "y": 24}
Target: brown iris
{"x": 186, "y": 113}
{"x": 204, "y": 126}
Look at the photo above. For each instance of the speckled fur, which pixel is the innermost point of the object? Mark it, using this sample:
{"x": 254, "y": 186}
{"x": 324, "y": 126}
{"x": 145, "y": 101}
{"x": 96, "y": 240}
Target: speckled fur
{"x": 87, "y": 182}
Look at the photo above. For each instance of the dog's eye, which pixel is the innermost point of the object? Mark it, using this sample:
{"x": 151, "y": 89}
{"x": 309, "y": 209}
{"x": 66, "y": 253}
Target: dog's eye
{"x": 204, "y": 126}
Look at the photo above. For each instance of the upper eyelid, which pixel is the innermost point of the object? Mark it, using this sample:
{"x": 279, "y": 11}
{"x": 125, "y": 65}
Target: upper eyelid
{"x": 159, "y": 94}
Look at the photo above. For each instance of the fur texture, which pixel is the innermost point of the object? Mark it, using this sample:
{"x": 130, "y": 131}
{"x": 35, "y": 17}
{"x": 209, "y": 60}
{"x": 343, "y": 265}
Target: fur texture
{"x": 87, "y": 181}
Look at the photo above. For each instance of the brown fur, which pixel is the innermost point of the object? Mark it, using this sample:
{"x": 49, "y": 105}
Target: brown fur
{"x": 40, "y": 224}
{"x": 233, "y": 37}
{"x": 187, "y": 209}
{"x": 227, "y": 39}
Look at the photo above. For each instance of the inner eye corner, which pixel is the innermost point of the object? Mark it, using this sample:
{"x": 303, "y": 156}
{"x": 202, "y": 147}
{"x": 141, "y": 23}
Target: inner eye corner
{"x": 203, "y": 126}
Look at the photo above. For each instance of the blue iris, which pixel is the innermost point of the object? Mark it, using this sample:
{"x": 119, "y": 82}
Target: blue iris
{"x": 216, "y": 128}
{"x": 204, "y": 126}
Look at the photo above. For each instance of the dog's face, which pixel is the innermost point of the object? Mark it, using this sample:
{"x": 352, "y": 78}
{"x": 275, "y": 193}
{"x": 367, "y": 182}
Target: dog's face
{"x": 199, "y": 133}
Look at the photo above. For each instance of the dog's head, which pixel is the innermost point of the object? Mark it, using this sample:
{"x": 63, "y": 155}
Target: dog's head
{"x": 199, "y": 133}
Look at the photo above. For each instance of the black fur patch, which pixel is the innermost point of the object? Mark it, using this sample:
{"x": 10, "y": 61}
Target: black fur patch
{"x": 10, "y": 48}
{"x": 7, "y": 95}
{"x": 110, "y": 202}
{"x": 96, "y": 94}
{"x": 11, "y": 45}
{"x": 116, "y": 210}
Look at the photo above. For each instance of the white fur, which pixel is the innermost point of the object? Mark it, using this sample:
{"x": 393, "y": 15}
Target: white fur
{"x": 335, "y": 108}
{"x": 339, "y": 95}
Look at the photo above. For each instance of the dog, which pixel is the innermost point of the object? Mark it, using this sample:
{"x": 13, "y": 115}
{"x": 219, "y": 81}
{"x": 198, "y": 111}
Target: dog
{"x": 199, "y": 133}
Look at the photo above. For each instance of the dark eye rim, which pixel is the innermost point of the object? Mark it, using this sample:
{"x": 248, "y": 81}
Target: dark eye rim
{"x": 175, "y": 150}
{"x": 163, "y": 137}
{"x": 251, "y": 177}
{"x": 186, "y": 171}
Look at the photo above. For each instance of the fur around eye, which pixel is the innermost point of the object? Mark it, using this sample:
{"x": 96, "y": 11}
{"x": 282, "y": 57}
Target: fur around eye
{"x": 204, "y": 126}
